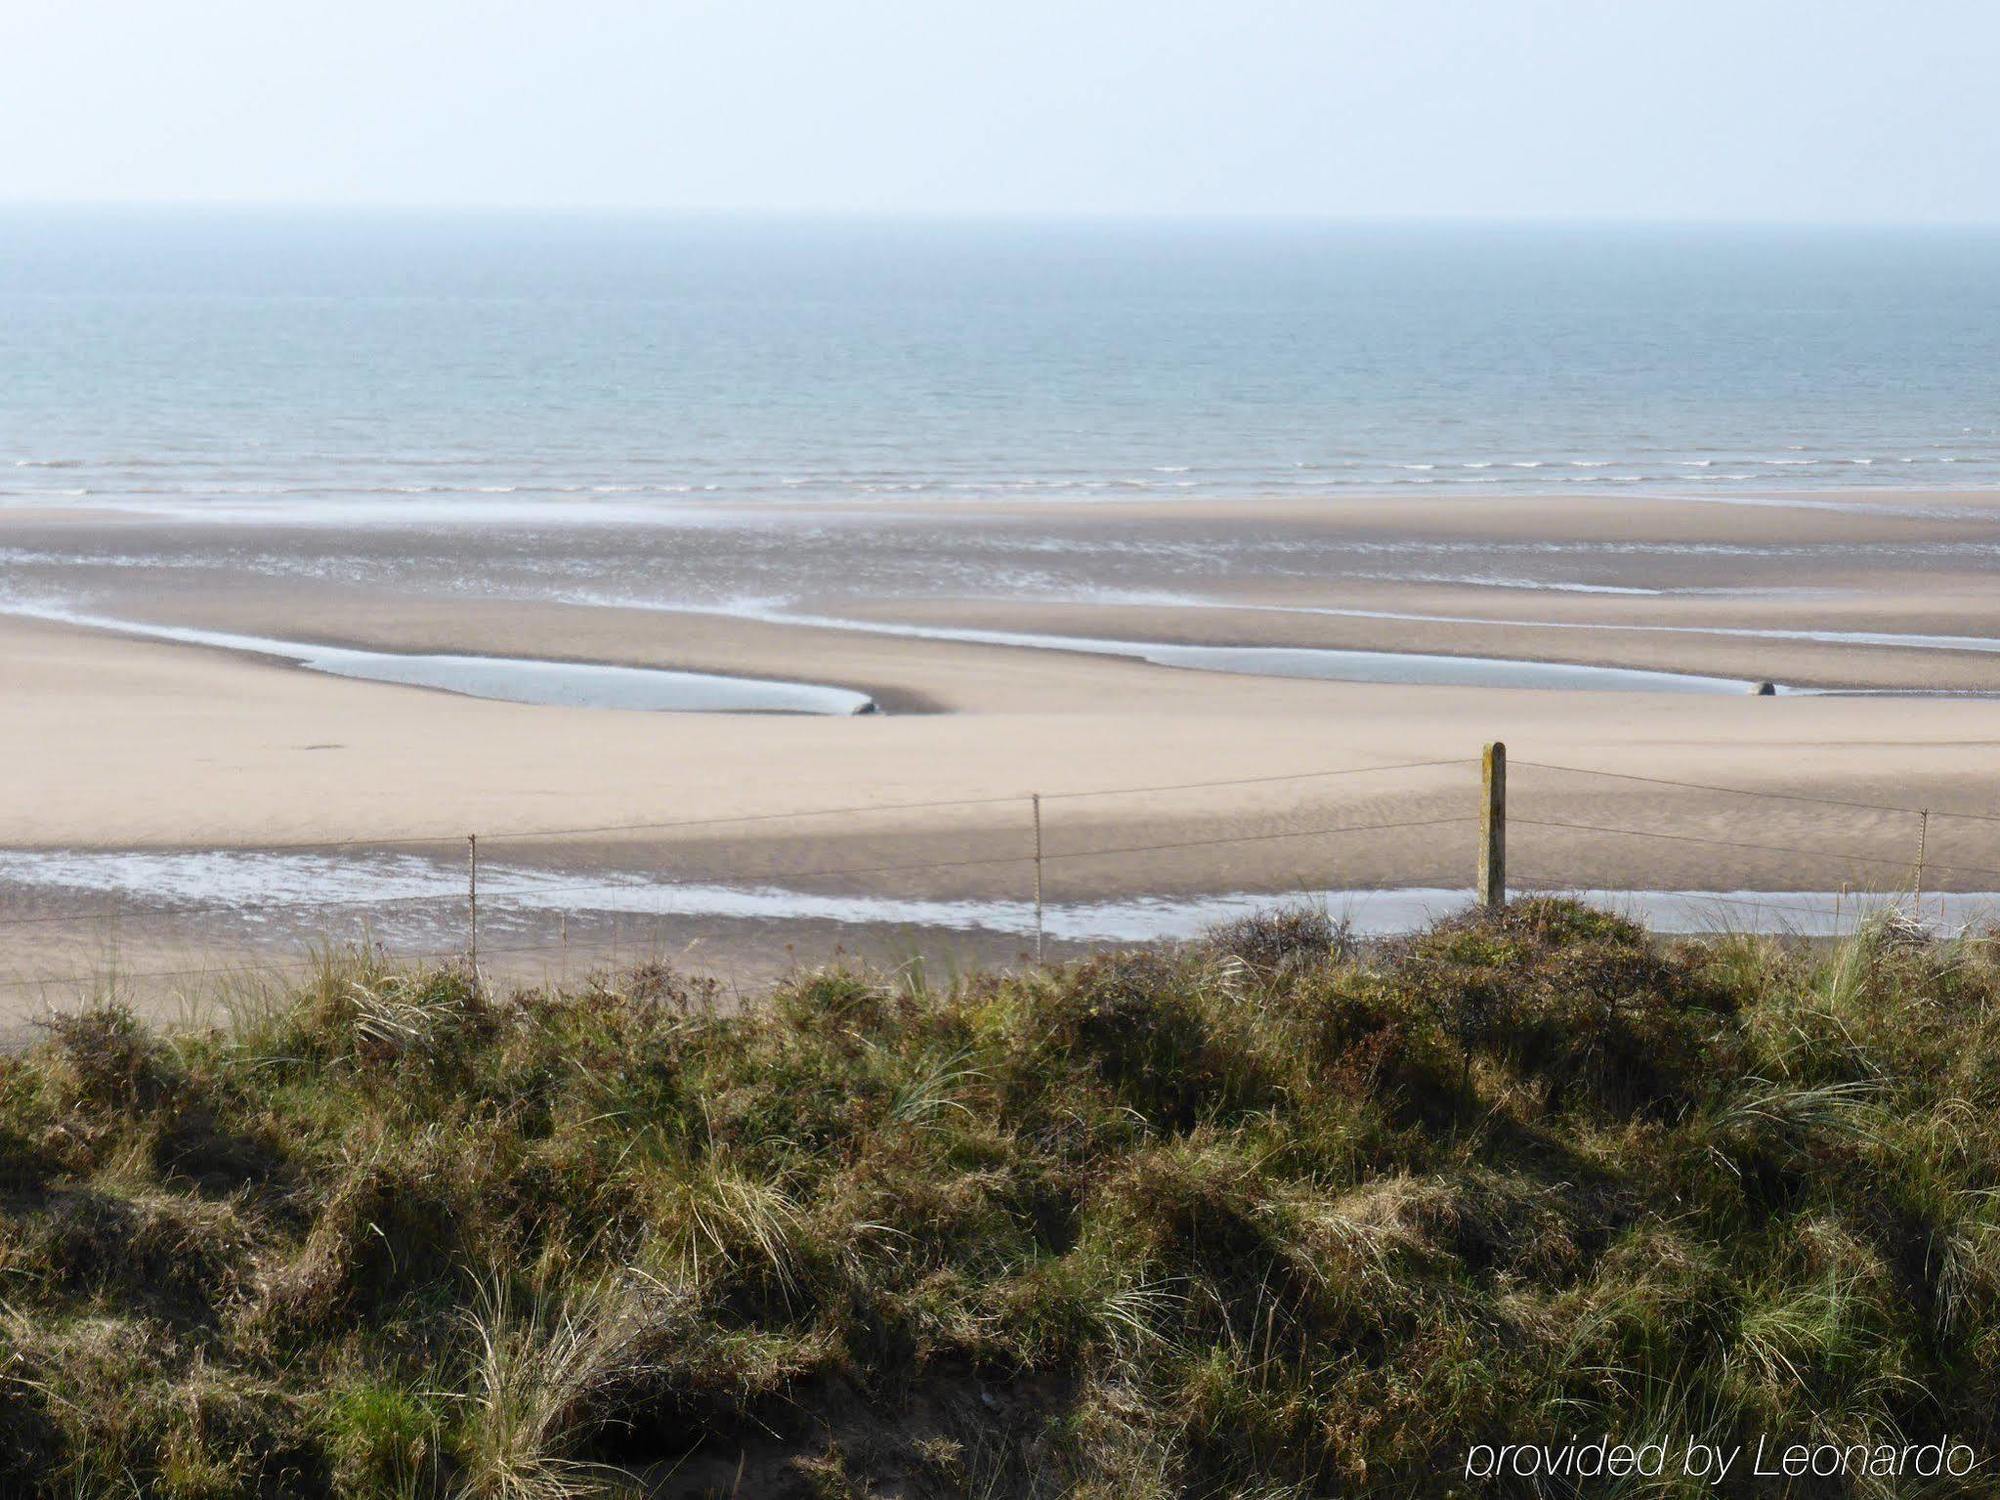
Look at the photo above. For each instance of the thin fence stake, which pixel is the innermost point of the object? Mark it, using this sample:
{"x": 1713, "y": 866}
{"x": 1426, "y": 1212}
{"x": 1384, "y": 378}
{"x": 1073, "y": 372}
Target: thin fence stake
{"x": 1491, "y": 890}
{"x": 1923, "y": 843}
{"x": 1036, "y": 799}
{"x": 472, "y": 902}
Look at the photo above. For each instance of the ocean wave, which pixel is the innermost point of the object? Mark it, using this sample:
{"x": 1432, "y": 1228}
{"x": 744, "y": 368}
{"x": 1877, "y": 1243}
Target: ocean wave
{"x": 503, "y": 493}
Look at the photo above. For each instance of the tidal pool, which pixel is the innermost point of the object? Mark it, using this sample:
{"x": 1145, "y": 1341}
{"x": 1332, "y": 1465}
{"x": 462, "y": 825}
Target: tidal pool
{"x": 413, "y": 893}
{"x": 511, "y": 679}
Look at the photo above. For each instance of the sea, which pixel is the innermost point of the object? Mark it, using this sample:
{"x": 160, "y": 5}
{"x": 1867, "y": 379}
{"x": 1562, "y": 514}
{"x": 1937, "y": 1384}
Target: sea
{"x": 384, "y": 364}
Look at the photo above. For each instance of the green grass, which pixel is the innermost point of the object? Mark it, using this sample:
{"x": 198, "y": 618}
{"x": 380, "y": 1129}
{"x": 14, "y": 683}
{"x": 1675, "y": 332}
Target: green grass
{"x": 1263, "y": 1215}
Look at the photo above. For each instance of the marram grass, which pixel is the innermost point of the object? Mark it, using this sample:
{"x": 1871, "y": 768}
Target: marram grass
{"x": 1264, "y": 1215}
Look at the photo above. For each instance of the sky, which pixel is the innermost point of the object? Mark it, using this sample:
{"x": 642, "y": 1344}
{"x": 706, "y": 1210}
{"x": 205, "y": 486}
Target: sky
{"x": 1787, "y": 110}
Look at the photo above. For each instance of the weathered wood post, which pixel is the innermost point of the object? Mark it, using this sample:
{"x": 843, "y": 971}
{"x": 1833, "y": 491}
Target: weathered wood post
{"x": 1492, "y": 888}
{"x": 1037, "y": 800}
{"x": 1923, "y": 845}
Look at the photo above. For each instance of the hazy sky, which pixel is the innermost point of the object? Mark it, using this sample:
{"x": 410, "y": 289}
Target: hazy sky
{"x": 1789, "y": 109}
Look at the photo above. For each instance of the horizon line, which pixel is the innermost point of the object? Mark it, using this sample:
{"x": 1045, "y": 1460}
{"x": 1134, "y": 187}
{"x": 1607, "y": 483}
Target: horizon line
{"x": 1547, "y": 219}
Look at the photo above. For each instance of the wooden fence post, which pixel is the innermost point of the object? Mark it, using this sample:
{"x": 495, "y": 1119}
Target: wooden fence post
{"x": 1491, "y": 891}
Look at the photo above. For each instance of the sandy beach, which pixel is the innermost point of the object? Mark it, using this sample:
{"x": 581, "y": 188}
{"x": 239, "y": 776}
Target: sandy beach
{"x": 1862, "y": 607}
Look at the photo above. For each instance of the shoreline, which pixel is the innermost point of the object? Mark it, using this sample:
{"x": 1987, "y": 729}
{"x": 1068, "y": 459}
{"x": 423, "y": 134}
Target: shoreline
{"x": 541, "y": 506}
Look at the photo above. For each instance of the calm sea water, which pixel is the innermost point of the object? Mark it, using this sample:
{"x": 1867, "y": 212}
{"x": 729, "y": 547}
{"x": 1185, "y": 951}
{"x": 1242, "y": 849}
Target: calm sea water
{"x": 404, "y": 364}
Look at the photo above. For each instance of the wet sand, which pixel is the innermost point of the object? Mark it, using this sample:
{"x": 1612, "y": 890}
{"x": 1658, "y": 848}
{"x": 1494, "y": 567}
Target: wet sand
{"x": 116, "y": 743}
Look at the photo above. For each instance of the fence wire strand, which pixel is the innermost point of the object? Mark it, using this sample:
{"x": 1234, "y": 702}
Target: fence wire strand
{"x": 1692, "y": 838}
{"x": 515, "y": 899}
{"x": 1740, "y": 791}
{"x": 261, "y": 908}
{"x": 858, "y": 809}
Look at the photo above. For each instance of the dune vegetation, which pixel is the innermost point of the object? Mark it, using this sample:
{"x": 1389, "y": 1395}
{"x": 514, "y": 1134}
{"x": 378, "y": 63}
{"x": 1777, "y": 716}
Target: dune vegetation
{"x": 1267, "y": 1214}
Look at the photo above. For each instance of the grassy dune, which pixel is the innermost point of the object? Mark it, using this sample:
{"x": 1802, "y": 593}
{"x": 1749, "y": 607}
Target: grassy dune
{"x": 1262, "y": 1216}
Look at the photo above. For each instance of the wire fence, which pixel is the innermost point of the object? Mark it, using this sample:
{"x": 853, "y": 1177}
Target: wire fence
{"x": 1389, "y": 845}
